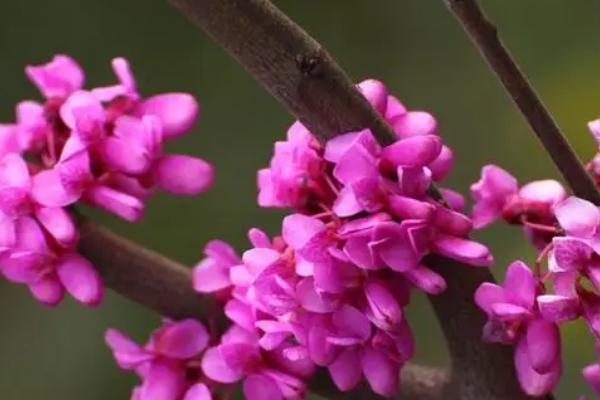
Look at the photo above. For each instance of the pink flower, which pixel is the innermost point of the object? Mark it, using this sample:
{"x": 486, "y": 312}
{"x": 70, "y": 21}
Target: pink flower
{"x": 48, "y": 272}
{"x": 101, "y": 146}
{"x": 59, "y": 78}
{"x": 239, "y": 357}
{"x": 213, "y": 273}
{"x": 294, "y": 178}
{"x": 514, "y": 318}
{"x": 167, "y": 363}
{"x": 497, "y": 194}
{"x": 591, "y": 373}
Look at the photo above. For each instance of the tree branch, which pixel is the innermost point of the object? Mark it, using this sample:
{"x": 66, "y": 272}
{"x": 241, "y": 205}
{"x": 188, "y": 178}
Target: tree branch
{"x": 141, "y": 275}
{"x": 165, "y": 286}
{"x": 295, "y": 69}
{"x": 485, "y": 37}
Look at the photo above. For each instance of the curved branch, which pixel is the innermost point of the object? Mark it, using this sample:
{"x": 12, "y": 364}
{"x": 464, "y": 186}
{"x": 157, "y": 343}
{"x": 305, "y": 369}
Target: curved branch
{"x": 290, "y": 64}
{"x": 165, "y": 286}
{"x": 485, "y": 37}
{"x": 141, "y": 275}
{"x": 295, "y": 69}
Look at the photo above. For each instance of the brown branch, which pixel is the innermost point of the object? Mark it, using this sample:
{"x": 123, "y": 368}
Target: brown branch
{"x": 295, "y": 69}
{"x": 289, "y": 63}
{"x": 141, "y": 275}
{"x": 485, "y": 37}
{"x": 165, "y": 286}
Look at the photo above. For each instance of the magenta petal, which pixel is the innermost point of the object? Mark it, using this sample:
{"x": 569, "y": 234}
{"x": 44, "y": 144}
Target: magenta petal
{"x": 547, "y": 191}
{"x": 240, "y": 313}
{"x": 242, "y": 356}
{"x": 356, "y": 163}
{"x": 352, "y": 323}
{"x": 184, "y": 175}
{"x": 578, "y": 217}
{"x": 381, "y": 372}
{"x": 520, "y": 285}
{"x": 14, "y": 172}
{"x": 80, "y": 279}
{"x": 210, "y": 276}
{"x": 452, "y": 222}
{"x": 358, "y": 251}
{"x": 414, "y": 123}
{"x": 558, "y": 309}
{"x": 298, "y": 230}
{"x": 345, "y": 370}
{"x": 346, "y": 204}
{"x": 30, "y": 236}
{"x": 417, "y": 151}
{"x": 81, "y": 105}
{"x": 509, "y": 312}
{"x": 320, "y": 350}
{"x": 409, "y": 208}
{"x": 376, "y": 93}
{"x": 491, "y": 193}
{"x": 260, "y": 387}
{"x": 464, "y": 250}
{"x": 570, "y": 254}
{"x": 59, "y": 77}
{"x": 182, "y": 339}
{"x": 127, "y": 353}
{"x": 124, "y": 156}
{"x": 383, "y": 305}
{"x": 259, "y": 238}
{"x": 337, "y": 147}
{"x": 442, "y": 165}
{"x": 178, "y": 112}
{"x": 591, "y": 374}
{"x": 311, "y": 300}
{"x": 215, "y": 367}
{"x": 163, "y": 382}
{"x": 543, "y": 345}
{"x": 259, "y": 259}
{"x": 427, "y": 280}
{"x": 47, "y": 291}
{"x": 533, "y": 383}
{"x": 59, "y": 223}
{"x": 22, "y": 268}
{"x": 128, "y": 207}
{"x": 48, "y": 190}
{"x": 392, "y": 244}
{"x": 199, "y": 391}
{"x": 414, "y": 181}
{"x": 488, "y": 294}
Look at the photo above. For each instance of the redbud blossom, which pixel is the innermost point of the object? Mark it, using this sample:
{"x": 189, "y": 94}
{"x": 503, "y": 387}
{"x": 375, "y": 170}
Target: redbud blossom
{"x": 103, "y": 147}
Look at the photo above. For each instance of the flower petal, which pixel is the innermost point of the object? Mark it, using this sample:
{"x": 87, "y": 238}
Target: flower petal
{"x": 184, "y": 175}
{"x": 80, "y": 279}
{"x": 178, "y": 112}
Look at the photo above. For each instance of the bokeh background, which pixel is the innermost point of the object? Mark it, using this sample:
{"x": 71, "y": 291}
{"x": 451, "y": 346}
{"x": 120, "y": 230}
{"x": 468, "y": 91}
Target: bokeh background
{"x": 413, "y": 45}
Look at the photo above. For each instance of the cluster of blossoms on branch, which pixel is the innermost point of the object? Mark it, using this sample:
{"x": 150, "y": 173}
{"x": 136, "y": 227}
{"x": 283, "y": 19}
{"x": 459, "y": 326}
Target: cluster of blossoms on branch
{"x": 102, "y": 147}
{"x": 528, "y": 308}
{"x": 331, "y": 290}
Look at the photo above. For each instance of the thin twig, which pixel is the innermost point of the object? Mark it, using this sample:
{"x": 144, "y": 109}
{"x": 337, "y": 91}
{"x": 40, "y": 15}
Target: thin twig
{"x": 296, "y": 69}
{"x": 485, "y": 37}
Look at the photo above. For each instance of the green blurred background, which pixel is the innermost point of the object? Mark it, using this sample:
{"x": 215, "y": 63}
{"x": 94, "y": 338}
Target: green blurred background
{"x": 413, "y": 45}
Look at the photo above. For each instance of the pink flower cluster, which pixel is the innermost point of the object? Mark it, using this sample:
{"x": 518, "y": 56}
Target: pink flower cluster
{"x": 331, "y": 290}
{"x": 527, "y": 309}
{"x": 169, "y": 364}
{"x": 102, "y": 147}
